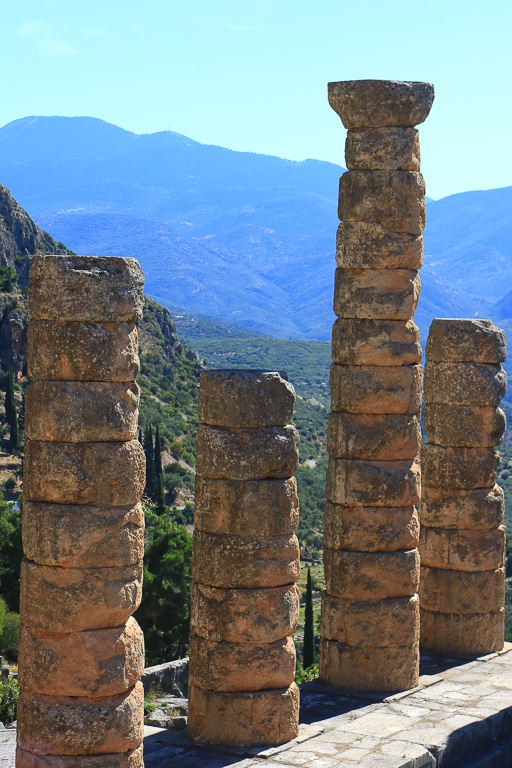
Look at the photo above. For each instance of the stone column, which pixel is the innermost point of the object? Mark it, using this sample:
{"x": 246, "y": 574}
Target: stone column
{"x": 81, "y": 653}
{"x": 370, "y": 611}
{"x": 245, "y": 604}
{"x": 462, "y": 543}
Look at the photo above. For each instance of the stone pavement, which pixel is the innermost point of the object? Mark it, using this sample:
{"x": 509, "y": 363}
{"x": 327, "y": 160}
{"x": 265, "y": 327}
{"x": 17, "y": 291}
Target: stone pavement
{"x": 460, "y": 716}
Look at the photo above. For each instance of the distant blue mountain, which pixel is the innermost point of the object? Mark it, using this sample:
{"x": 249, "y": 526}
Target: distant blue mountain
{"x": 241, "y": 236}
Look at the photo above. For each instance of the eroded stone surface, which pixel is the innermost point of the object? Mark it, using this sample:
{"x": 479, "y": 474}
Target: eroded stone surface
{"x": 376, "y": 294}
{"x": 474, "y": 426}
{"x": 373, "y": 436}
{"x": 81, "y": 412}
{"x": 69, "y": 725}
{"x": 241, "y": 666}
{"x": 394, "y": 199}
{"x": 370, "y": 529}
{"x": 376, "y": 103}
{"x": 93, "y": 474}
{"x": 373, "y": 483}
{"x": 394, "y": 668}
{"x": 375, "y": 342}
{"x": 244, "y": 615}
{"x": 367, "y": 245}
{"x": 459, "y": 468}
{"x": 380, "y": 624}
{"x": 234, "y": 562}
{"x": 100, "y": 662}
{"x": 388, "y": 149}
{"x": 464, "y": 383}
{"x": 371, "y": 575}
{"x": 463, "y": 550}
{"x": 464, "y": 634}
{"x": 249, "y": 508}
{"x": 77, "y": 536}
{"x": 480, "y": 508}
{"x": 247, "y": 454}
{"x": 462, "y": 591}
{"x": 74, "y": 599}
{"x": 92, "y": 288}
{"x": 254, "y": 719}
{"x": 82, "y": 351}
{"x": 245, "y": 399}
{"x": 466, "y": 341}
{"x": 131, "y": 759}
{"x": 376, "y": 389}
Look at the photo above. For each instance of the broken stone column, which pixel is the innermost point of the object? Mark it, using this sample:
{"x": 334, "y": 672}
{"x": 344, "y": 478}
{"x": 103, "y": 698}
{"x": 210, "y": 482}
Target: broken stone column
{"x": 370, "y": 610}
{"x": 462, "y": 542}
{"x": 81, "y": 653}
{"x": 245, "y": 605}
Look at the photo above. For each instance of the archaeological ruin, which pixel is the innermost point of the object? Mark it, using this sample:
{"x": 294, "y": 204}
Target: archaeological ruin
{"x": 81, "y": 652}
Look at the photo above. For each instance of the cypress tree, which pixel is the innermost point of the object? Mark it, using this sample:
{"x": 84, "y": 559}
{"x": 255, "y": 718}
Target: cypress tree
{"x": 141, "y": 440}
{"x": 158, "y": 454}
{"x": 150, "y": 463}
{"x": 14, "y": 439}
{"x": 309, "y": 638}
{"x": 10, "y": 404}
{"x": 160, "y": 507}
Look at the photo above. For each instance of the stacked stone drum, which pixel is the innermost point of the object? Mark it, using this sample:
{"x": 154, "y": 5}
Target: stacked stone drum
{"x": 462, "y": 544}
{"x": 81, "y": 652}
{"x": 245, "y": 604}
{"x": 370, "y": 610}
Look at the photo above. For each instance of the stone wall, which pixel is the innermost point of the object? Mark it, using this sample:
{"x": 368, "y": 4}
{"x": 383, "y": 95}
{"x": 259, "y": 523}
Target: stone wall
{"x": 81, "y": 653}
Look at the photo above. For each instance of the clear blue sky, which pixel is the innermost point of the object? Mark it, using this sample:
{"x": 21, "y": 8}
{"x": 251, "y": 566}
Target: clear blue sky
{"x": 252, "y": 74}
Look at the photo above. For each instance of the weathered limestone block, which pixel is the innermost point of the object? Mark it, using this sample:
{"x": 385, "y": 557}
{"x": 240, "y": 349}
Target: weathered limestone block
{"x": 244, "y": 615}
{"x": 395, "y": 199}
{"x": 131, "y": 759}
{"x": 81, "y": 412}
{"x": 371, "y": 575}
{"x": 241, "y": 666}
{"x": 387, "y": 149}
{"x": 459, "y": 468}
{"x": 481, "y": 508}
{"x": 82, "y": 537}
{"x": 245, "y": 562}
{"x": 393, "y": 668}
{"x": 373, "y": 436}
{"x": 100, "y": 662}
{"x": 100, "y": 289}
{"x": 461, "y": 591}
{"x": 377, "y": 103}
{"x": 373, "y": 483}
{"x": 245, "y": 399}
{"x": 376, "y": 294}
{"x": 69, "y": 725}
{"x": 366, "y": 245}
{"x": 376, "y": 389}
{"x": 464, "y": 383}
{"x": 375, "y": 342}
{"x": 466, "y": 341}
{"x": 380, "y": 624}
{"x": 247, "y": 454}
{"x": 463, "y": 634}
{"x": 244, "y": 719}
{"x": 370, "y": 529}
{"x": 463, "y": 550}
{"x": 82, "y": 351}
{"x": 474, "y": 426}
{"x": 74, "y": 599}
{"x": 250, "y": 508}
{"x": 93, "y": 474}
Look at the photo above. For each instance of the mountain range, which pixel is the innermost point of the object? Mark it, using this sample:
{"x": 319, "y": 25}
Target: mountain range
{"x": 243, "y": 237}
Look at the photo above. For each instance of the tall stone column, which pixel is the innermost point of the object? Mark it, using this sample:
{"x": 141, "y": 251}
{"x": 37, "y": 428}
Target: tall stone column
{"x": 462, "y": 543}
{"x": 245, "y": 563}
{"x": 81, "y": 653}
{"x": 370, "y": 611}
